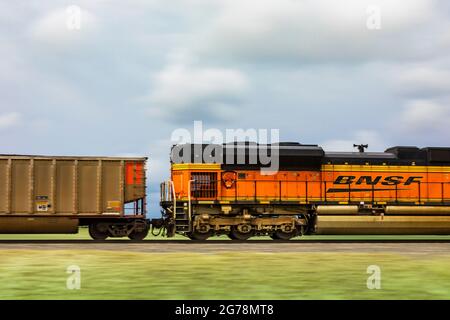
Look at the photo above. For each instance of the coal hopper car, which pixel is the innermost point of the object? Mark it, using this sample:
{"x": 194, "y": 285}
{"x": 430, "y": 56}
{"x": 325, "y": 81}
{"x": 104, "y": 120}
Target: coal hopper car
{"x": 46, "y": 194}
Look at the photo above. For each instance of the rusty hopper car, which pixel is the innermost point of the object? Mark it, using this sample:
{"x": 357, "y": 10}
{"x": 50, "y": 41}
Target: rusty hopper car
{"x": 404, "y": 190}
{"x": 44, "y": 194}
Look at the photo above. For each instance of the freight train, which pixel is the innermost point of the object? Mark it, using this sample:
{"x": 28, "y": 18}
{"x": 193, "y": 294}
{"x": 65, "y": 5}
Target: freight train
{"x": 227, "y": 190}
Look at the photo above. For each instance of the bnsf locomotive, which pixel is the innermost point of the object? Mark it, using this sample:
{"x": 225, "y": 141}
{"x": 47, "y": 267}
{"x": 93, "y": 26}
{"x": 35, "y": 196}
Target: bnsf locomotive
{"x": 240, "y": 190}
{"x": 404, "y": 190}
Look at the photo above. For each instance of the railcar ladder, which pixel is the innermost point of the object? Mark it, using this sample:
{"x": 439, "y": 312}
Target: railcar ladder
{"x": 181, "y": 213}
{"x": 182, "y": 222}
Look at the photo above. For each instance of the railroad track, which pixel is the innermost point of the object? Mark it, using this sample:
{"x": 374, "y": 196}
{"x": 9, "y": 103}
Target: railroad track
{"x": 228, "y": 242}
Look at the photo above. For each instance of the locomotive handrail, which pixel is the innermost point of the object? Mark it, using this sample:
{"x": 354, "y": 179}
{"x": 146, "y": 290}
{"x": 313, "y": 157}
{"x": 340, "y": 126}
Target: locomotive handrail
{"x": 189, "y": 199}
{"x": 420, "y": 193}
{"x": 255, "y": 185}
{"x": 174, "y": 198}
{"x": 442, "y": 192}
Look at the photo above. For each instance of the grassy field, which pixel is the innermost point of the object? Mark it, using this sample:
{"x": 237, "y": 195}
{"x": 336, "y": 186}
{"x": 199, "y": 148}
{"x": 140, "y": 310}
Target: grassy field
{"x": 41, "y": 274}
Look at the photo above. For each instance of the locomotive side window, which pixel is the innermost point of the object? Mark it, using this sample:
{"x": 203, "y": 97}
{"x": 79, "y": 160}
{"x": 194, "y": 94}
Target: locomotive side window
{"x": 204, "y": 185}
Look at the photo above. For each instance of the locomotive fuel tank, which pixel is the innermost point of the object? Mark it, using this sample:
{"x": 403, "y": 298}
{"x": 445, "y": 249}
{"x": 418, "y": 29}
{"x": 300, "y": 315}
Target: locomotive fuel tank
{"x": 382, "y": 224}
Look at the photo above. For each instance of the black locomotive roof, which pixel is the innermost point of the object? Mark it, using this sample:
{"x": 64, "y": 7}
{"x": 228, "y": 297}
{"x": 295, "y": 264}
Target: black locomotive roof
{"x": 400, "y": 155}
{"x": 296, "y": 156}
{"x": 360, "y": 155}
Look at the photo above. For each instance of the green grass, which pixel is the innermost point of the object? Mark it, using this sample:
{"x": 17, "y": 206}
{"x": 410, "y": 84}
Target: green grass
{"x": 41, "y": 274}
{"x": 83, "y": 235}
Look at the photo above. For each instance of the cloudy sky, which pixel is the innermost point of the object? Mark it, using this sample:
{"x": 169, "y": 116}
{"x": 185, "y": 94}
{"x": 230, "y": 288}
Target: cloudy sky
{"x": 135, "y": 71}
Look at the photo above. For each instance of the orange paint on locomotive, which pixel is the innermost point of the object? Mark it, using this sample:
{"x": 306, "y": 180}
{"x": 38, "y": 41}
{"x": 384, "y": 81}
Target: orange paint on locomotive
{"x": 341, "y": 183}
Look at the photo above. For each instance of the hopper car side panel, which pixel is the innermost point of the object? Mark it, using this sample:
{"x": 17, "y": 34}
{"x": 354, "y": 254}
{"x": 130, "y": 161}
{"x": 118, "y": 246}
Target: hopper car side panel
{"x": 41, "y": 194}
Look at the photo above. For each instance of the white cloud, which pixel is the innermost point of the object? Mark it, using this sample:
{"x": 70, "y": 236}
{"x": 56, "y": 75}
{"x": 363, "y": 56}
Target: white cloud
{"x": 445, "y": 39}
{"x": 203, "y": 55}
{"x": 54, "y": 28}
{"x": 8, "y": 120}
{"x": 180, "y": 91}
{"x": 317, "y": 30}
{"x": 424, "y": 81}
{"x": 425, "y": 117}
{"x": 372, "y": 138}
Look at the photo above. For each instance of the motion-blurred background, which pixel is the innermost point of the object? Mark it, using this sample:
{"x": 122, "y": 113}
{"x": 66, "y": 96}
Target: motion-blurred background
{"x": 119, "y": 77}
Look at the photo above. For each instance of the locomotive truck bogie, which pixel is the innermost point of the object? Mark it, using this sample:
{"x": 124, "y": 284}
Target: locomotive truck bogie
{"x": 247, "y": 225}
{"x": 135, "y": 229}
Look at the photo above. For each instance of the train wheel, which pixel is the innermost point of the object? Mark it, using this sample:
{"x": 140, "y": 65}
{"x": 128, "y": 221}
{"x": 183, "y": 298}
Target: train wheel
{"x": 199, "y": 235}
{"x": 138, "y": 236}
{"x": 97, "y": 234}
{"x": 280, "y": 235}
{"x": 235, "y": 234}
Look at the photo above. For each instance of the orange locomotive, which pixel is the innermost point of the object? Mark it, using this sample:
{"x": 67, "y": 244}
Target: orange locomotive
{"x": 404, "y": 190}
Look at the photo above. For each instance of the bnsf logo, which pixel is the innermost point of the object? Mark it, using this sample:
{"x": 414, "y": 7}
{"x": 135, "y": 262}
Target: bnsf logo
{"x": 372, "y": 181}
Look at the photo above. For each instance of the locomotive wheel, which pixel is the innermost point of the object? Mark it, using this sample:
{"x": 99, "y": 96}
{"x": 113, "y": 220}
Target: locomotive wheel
{"x": 97, "y": 234}
{"x": 235, "y": 234}
{"x": 195, "y": 235}
{"x": 138, "y": 236}
{"x": 280, "y": 235}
